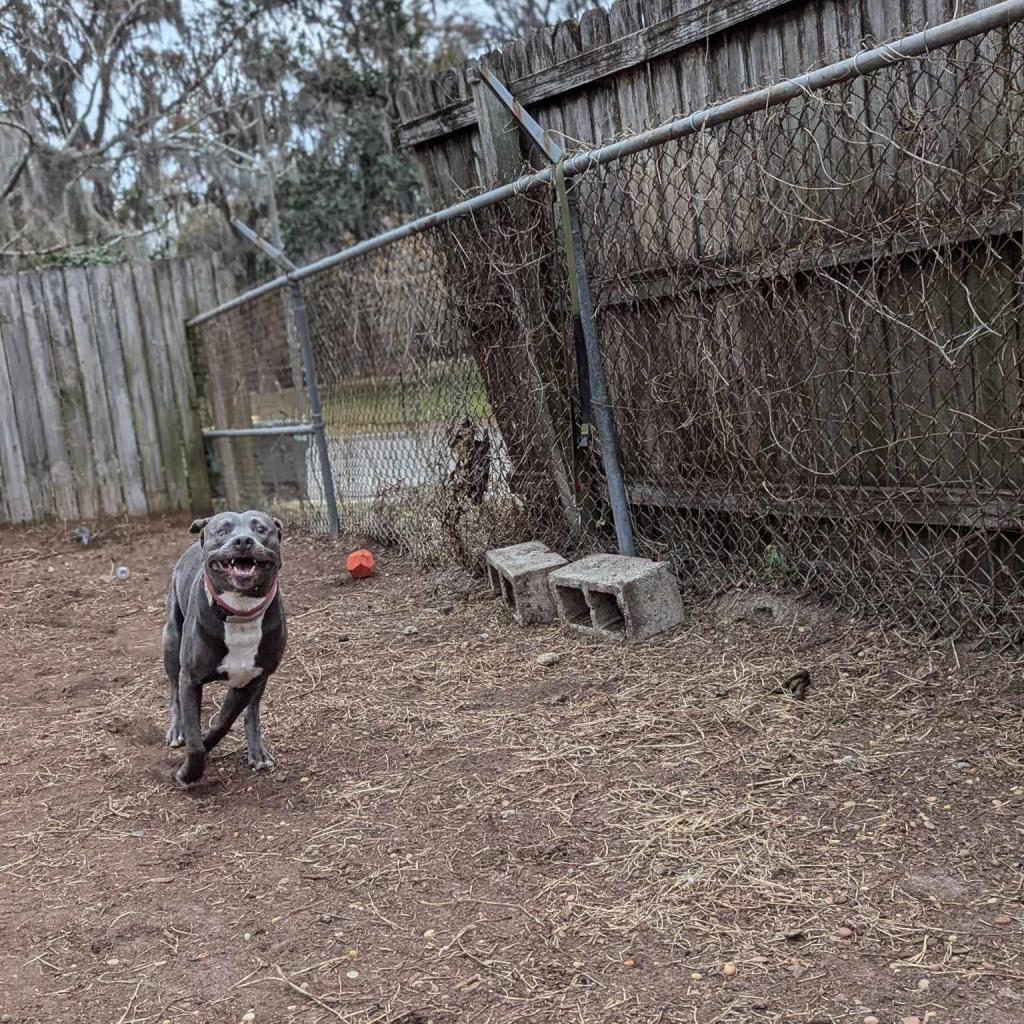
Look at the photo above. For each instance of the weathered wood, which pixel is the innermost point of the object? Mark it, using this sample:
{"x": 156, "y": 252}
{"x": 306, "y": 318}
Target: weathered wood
{"x": 101, "y": 432}
{"x": 154, "y": 463}
{"x": 621, "y": 54}
{"x": 16, "y": 500}
{"x": 940, "y": 506}
{"x": 72, "y": 394}
{"x": 30, "y": 424}
{"x": 33, "y": 307}
{"x": 155, "y": 345}
{"x": 499, "y": 150}
{"x": 94, "y": 386}
{"x": 540, "y": 360}
{"x": 104, "y": 296}
{"x": 174, "y": 287}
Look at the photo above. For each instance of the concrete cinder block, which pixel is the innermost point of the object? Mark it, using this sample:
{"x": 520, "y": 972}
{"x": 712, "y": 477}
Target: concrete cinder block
{"x": 617, "y": 597}
{"x": 519, "y": 574}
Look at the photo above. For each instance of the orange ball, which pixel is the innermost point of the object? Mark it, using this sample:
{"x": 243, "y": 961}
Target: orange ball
{"x": 361, "y": 564}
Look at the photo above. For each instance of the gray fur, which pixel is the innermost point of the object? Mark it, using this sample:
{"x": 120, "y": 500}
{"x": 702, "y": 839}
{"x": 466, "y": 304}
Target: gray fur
{"x": 195, "y": 645}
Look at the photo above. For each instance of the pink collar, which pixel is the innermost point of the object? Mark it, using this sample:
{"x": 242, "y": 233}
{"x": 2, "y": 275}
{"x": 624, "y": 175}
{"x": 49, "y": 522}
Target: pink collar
{"x": 234, "y": 613}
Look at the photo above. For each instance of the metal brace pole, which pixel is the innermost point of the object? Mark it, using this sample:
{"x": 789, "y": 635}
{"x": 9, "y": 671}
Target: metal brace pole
{"x": 610, "y": 455}
{"x": 301, "y": 320}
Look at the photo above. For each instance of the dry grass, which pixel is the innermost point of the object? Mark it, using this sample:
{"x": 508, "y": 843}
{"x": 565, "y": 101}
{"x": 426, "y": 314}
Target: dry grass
{"x": 483, "y": 839}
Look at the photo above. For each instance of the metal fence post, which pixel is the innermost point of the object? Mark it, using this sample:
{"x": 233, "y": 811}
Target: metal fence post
{"x": 583, "y": 309}
{"x": 610, "y": 455}
{"x": 301, "y": 320}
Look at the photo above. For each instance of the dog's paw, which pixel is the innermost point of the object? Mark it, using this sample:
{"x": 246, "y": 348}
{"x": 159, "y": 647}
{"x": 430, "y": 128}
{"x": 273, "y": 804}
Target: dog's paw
{"x": 191, "y": 771}
{"x": 175, "y": 737}
{"x": 260, "y": 759}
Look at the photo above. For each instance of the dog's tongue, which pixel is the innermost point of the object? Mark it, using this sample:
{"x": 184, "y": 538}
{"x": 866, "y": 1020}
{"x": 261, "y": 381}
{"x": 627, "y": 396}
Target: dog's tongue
{"x": 241, "y": 575}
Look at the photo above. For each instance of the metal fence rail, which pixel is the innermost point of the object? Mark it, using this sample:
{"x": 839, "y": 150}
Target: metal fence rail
{"x": 809, "y": 303}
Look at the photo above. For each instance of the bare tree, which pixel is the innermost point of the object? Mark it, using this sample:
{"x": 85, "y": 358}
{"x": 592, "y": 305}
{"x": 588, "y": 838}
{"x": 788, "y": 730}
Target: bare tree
{"x": 99, "y": 99}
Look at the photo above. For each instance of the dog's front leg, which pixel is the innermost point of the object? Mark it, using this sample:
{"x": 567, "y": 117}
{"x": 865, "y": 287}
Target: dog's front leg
{"x": 235, "y": 701}
{"x": 190, "y": 698}
{"x": 258, "y": 755}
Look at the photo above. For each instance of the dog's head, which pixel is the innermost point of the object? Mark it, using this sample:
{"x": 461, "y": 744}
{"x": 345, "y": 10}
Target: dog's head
{"x": 241, "y": 551}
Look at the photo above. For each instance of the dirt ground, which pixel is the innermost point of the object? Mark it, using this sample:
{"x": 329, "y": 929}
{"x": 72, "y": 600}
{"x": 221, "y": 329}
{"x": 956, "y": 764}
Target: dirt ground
{"x": 457, "y": 833}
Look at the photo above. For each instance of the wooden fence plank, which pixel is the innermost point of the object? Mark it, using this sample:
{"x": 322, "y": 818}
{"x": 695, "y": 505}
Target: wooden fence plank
{"x": 26, "y": 405}
{"x": 153, "y": 462}
{"x": 33, "y": 309}
{"x": 101, "y": 431}
{"x": 16, "y": 506}
{"x": 72, "y": 394}
{"x": 174, "y": 287}
{"x": 622, "y": 53}
{"x": 106, "y": 291}
{"x": 154, "y": 341}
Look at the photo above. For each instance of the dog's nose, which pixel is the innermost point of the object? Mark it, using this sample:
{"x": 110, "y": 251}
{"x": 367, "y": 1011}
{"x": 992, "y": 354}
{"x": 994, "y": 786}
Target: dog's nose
{"x": 243, "y": 543}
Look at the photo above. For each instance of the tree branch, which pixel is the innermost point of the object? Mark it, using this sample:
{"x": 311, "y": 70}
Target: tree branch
{"x": 19, "y": 167}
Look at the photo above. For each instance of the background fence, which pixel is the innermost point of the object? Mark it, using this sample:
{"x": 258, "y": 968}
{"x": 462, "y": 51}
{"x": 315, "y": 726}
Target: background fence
{"x": 811, "y": 323}
{"x": 97, "y": 398}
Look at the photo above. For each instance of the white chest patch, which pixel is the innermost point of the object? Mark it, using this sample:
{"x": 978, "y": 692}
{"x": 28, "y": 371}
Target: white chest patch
{"x": 242, "y": 640}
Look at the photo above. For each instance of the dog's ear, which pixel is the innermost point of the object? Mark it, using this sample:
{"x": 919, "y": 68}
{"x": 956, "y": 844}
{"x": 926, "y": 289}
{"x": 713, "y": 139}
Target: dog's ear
{"x": 280, "y": 529}
{"x": 198, "y": 525}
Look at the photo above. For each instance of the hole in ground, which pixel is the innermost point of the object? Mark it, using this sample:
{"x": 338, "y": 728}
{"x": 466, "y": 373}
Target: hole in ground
{"x": 494, "y": 579}
{"x": 575, "y": 604}
{"x": 607, "y": 613}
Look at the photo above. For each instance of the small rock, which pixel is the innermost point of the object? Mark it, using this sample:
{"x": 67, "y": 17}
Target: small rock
{"x": 122, "y": 572}
{"x": 629, "y": 963}
{"x": 352, "y": 975}
{"x": 410, "y": 631}
{"x": 247, "y": 936}
{"x": 910, "y": 1020}
{"x": 113, "y": 962}
{"x": 922, "y": 985}
{"x": 1003, "y": 919}
{"x": 844, "y": 933}
{"x": 549, "y": 659}
{"x": 696, "y": 976}
{"x": 729, "y": 969}
{"x": 578, "y": 964}
{"x": 871, "y": 1019}
{"x": 429, "y": 933}
{"x": 249, "y": 1016}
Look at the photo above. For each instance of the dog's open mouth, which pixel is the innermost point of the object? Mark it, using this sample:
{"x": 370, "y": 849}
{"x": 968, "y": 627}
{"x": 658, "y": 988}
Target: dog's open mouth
{"x": 242, "y": 570}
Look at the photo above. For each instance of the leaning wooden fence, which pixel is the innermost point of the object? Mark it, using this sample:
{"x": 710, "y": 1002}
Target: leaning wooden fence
{"x": 97, "y": 397}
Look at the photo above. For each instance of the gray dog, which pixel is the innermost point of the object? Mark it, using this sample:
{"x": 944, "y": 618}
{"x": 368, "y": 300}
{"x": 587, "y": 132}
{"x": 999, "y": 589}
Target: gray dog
{"x": 225, "y": 623}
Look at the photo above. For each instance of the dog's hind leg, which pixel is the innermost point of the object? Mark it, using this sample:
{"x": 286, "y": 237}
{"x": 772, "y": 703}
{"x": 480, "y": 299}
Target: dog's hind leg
{"x": 258, "y": 755}
{"x": 172, "y": 665}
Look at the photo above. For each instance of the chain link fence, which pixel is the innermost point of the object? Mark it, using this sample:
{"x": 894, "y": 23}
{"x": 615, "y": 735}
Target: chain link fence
{"x": 812, "y": 326}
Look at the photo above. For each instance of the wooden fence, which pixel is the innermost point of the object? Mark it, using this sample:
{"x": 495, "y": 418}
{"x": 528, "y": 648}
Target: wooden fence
{"x": 97, "y": 397}
{"x": 639, "y": 64}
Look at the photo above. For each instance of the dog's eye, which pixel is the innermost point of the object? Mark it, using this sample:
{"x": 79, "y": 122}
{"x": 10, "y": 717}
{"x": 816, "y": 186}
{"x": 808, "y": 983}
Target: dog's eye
{"x": 261, "y": 529}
